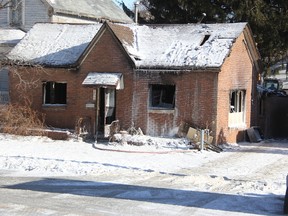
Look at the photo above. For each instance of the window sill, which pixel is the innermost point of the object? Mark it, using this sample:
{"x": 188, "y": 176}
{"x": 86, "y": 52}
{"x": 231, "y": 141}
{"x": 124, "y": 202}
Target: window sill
{"x": 237, "y": 126}
{"x": 161, "y": 111}
{"x": 55, "y": 106}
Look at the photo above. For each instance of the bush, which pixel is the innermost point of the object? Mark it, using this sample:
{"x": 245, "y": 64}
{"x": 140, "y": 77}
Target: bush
{"x": 21, "y": 120}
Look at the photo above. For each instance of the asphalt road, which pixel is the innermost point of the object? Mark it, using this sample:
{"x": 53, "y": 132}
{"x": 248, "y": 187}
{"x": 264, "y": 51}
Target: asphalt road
{"x": 92, "y": 196}
{"x": 96, "y": 195}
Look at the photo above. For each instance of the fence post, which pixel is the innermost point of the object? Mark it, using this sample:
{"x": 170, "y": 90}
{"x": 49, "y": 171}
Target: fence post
{"x": 202, "y": 140}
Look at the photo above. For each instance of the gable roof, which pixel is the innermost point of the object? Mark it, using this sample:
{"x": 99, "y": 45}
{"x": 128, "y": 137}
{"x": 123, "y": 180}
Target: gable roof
{"x": 93, "y": 9}
{"x": 178, "y": 46}
{"x": 187, "y": 46}
{"x": 57, "y": 45}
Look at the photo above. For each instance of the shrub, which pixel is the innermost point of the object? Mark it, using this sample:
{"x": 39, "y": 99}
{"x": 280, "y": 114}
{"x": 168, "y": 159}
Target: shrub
{"x": 21, "y": 120}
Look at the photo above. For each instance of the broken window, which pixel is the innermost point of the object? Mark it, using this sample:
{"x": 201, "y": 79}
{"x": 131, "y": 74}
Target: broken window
{"x": 162, "y": 96}
{"x": 54, "y": 93}
{"x": 16, "y": 13}
{"x": 237, "y": 101}
{"x": 237, "y": 107}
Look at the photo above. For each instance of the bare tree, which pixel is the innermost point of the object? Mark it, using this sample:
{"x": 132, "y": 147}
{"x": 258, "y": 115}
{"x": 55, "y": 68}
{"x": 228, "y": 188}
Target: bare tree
{"x": 18, "y": 118}
{"x": 5, "y": 4}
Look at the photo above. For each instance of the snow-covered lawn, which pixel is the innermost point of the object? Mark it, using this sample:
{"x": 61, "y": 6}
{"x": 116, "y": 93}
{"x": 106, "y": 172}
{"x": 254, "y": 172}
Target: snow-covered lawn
{"x": 251, "y": 174}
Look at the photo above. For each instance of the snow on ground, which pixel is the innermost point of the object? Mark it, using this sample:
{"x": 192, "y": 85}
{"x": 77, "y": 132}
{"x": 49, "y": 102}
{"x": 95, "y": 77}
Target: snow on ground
{"x": 250, "y": 170}
{"x": 43, "y": 155}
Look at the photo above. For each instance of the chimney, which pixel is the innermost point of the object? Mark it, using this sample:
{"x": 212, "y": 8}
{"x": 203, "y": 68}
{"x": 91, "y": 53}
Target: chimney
{"x": 136, "y": 11}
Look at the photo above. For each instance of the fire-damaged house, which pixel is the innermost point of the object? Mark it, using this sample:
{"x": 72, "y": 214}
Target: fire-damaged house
{"x": 153, "y": 76}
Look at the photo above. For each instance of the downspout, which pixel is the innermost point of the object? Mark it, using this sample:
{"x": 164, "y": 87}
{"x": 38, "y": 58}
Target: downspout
{"x": 97, "y": 114}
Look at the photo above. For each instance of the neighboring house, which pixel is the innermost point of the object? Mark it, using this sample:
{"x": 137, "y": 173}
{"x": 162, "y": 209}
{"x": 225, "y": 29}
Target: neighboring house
{"x": 279, "y": 71}
{"x": 8, "y": 39}
{"x": 152, "y": 77}
{"x": 25, "y": 13}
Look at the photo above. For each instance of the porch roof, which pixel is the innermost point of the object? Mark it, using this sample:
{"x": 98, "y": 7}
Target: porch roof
{"x": 104, "y": 79}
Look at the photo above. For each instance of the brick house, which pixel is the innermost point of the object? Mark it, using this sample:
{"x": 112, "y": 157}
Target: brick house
{"x": 152, "y": 77}
{"x": 22, "y": 15}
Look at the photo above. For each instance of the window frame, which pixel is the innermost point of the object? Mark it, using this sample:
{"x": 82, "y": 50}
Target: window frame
{"x": 4, "y": 86}
{"x": 237, "y": 108}
{"x": 19, "y": 11}
{"x": 166, "y": 101}
{"x": 55, "y": 99}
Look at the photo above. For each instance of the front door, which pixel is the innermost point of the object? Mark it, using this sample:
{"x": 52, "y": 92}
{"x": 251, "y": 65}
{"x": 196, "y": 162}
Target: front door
{"x": 107, "y": 102}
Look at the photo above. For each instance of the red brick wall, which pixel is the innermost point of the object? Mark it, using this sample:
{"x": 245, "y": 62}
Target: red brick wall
{"x": 57, "y": 116}
{"x": 106, "y": 56}
{"x": 237, "y": 73}
{"x": 195, "y": 100}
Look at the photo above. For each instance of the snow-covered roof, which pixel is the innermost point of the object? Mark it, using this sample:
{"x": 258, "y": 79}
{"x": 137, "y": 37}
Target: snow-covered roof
{"x": 96, "y": 9}
{"x": 54, "y": 44}
{"x": 11, "y": 36}
{"x": 8, "y": 39}
{"x": 174, "y": 46}
{"x": 149, "y": 46}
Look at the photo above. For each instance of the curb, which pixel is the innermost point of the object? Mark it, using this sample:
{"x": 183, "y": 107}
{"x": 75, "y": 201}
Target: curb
{"x": 142, "y": 152}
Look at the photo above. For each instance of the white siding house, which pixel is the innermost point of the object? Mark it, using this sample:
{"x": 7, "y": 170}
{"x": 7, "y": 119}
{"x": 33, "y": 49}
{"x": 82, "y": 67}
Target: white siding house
{"x": 8, "y": 39}
{"x": 25, "y": 13}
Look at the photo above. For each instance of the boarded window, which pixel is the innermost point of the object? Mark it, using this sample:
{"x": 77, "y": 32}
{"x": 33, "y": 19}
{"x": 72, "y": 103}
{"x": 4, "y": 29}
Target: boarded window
{"x": 237, "y": 108}
{"x": 162, "y": 96}
{"x": 54, "y": 93}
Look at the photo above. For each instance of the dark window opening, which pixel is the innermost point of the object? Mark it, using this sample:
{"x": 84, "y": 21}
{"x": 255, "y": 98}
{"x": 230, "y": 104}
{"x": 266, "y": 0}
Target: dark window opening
{"x": 162, "y": 96}
{"x": 206, "y": 37}
{"x": 54, "y": 93}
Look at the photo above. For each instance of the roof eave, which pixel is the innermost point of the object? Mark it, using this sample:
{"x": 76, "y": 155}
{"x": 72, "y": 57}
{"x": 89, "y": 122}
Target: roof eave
{"x": 178, "y": 69}
{"x": 31, "y": 64}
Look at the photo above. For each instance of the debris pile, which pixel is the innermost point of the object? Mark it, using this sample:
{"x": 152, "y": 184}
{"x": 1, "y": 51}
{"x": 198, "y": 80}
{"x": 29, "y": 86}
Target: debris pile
{"x": 187, "y": 138}
{"x": 200, "y": 138}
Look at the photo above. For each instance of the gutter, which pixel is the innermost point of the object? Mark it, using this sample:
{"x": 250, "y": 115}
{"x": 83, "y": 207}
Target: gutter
{"x": 177, "y": 70}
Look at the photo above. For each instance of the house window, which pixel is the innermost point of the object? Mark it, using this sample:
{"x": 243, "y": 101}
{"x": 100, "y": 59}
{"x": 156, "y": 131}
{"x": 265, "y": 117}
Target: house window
{"x": 162, "y": 96}
{"x": 16, "y": 13}
{"x": 54, "y": 93}
{"x": 4, "y": 86}
{"x": 237, "y": 108}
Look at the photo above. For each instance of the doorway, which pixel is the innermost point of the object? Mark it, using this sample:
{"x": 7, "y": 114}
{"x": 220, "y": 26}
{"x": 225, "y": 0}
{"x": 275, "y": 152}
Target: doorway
{"x": 107, "y": 108}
